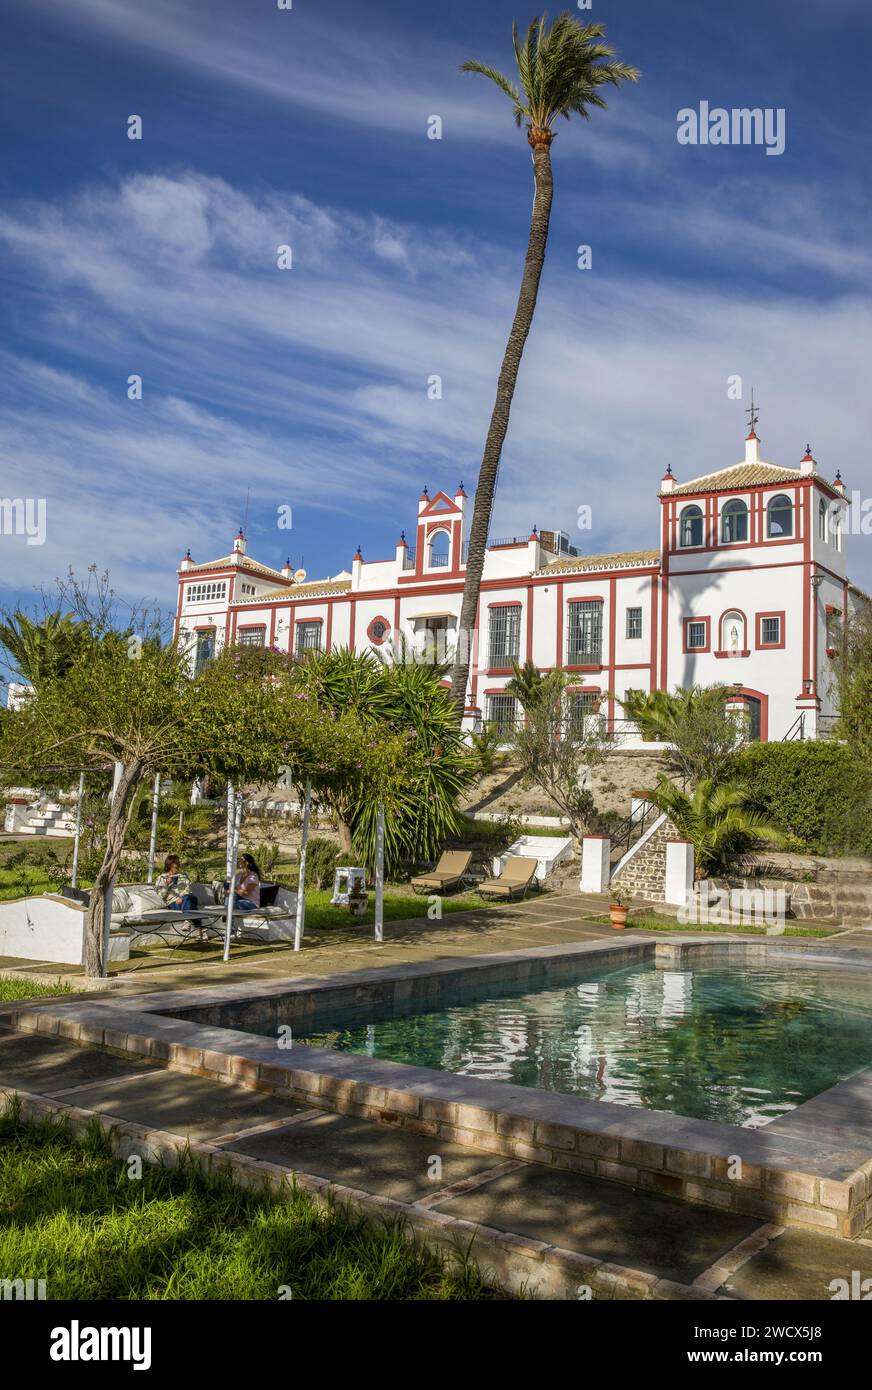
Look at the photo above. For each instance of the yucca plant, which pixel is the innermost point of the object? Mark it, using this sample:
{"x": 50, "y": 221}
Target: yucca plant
{"x": 718, "y": 820}
{"x": 562, "y": 71}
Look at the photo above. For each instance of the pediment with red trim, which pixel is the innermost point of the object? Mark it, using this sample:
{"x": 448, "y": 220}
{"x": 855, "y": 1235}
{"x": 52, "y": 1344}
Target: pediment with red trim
{"x": 440, "y": 506}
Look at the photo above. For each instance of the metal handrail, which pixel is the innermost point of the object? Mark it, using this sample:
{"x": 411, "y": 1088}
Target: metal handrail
{"x": 637, "y": 821}
{"x": 796, "y": 730}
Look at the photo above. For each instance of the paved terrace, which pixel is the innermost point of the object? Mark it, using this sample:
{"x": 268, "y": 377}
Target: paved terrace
{"x": 552, "y": 1233}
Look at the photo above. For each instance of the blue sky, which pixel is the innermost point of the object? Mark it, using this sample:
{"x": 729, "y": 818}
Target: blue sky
{"x": 308, "y": 387}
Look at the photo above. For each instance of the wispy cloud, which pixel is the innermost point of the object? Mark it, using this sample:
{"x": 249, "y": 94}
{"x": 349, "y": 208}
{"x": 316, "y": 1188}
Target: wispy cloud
{"x": 310, "y": 386}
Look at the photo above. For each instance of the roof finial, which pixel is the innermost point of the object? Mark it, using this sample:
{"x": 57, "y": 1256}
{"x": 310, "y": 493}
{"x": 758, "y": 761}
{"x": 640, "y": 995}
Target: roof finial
{"x": 753, "y": 416}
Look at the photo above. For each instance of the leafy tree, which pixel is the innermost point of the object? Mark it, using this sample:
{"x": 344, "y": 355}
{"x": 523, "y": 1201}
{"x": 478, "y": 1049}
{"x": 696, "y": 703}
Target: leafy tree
{"x": 556, "y": 754}
{"x": 853, "y": 684}
{"x": 701, "y": 734}
{"x": 561, "y": 72}
{"x": 242, "y": 718}
{"x": 718, "y": 820}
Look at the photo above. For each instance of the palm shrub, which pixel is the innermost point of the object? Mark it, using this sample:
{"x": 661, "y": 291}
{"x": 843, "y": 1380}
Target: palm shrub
{"x": 404, "y": 702}
{"x": 718, "y": 820}
{"x": 702, "y": 735}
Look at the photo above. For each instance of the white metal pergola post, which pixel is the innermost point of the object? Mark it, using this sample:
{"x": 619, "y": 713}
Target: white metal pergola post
{"x": 110, "y": 887}
{"x": 380, "y": 874}
{"x": 74, "y": 878}
{"x": 229, "y": 828}
{"x": 301, "y": 878}
{"x": 234, "y": 856}
{"x": 152, "y": 844}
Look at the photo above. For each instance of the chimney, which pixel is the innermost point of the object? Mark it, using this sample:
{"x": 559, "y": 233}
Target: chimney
{"x": 752, "y": 448}
{"x": 287, "y": 572}
{"x": 239, "y": 542}
{"x": 356, "y": 569}
{"x": 402, "y": 551}
{"x": 667, "y": 482}
{"x": 186, "y": 563}
{"x": 423, "y": 501}
{"x": 807, "y": 464}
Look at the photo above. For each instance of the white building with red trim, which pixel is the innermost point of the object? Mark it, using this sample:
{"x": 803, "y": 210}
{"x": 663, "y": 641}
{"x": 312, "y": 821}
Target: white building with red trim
{"x": 748, "y": 587}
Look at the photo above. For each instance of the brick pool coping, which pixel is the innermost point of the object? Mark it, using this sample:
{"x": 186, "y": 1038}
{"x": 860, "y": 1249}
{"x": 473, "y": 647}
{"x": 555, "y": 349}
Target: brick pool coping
{"x": 811, "y": 1168}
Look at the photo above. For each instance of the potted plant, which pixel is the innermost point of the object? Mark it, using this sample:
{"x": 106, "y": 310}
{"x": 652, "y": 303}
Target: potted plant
{"x": 619, "y": 909}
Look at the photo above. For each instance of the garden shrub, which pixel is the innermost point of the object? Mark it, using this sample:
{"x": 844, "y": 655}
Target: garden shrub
{"x": 321, "y": 857}
{"x": 819, "y": 792}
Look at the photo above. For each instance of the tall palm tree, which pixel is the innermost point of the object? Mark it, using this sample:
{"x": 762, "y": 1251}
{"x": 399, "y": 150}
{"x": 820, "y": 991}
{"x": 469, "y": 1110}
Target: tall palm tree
{"x": 562, "y": 70}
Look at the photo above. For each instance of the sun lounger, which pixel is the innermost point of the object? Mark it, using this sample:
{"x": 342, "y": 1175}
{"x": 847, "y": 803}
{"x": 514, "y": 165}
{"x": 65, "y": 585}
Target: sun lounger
{"x": 514, "y": 880}
{"x": 450, "y": 872}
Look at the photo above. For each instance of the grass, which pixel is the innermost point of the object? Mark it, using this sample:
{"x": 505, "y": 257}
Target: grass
{"x": 19, "y": 988}
{"x": 652, "y": 921}
{"x": 69, "y": 1213}
{"x": 399, "y": 903}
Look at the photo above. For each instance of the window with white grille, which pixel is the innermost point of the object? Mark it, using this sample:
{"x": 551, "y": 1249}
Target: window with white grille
{"x": 585, "y": 633}
{"x": 502, "y": 711}
{"x": 308, "y": 637}
{"x": 634, "y": 622}
{"x": 198, "y": 593}
{"x": 504, "y": 635}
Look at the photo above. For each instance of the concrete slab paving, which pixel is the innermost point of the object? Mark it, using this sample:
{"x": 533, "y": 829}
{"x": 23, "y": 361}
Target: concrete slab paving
{"x": 669, "y": 1238}
{"x": 33, "y": 1062}
{"x": 381, "y": 1159}
{"x": 190, "y": 1106}
{"x": 803, "y": 1265}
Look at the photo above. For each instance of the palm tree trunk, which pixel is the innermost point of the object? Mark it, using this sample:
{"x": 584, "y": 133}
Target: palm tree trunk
{"x": 540, "y": 140}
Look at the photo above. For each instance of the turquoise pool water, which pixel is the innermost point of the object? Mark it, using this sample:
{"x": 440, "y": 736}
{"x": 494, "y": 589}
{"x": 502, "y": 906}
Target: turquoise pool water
{"x": 737, "y": 1045}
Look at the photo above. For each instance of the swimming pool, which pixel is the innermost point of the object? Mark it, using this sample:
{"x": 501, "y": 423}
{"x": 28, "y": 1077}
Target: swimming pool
{"x": 740, "y": 1044}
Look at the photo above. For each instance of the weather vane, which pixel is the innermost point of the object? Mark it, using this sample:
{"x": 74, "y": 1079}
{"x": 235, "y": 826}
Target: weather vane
{"x": 752, "y": 413}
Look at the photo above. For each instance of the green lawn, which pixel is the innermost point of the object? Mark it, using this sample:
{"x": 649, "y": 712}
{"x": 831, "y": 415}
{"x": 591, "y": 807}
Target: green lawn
{"x": 652, "y": 921}
{"x": 70, "y": 1214}
{"x": 399, "y": 903}
{"x": 20, "y": 988}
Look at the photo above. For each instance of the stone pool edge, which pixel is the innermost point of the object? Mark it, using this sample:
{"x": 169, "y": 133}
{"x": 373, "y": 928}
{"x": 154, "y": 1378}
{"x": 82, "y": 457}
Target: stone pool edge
{"x": 786, "y": 1179}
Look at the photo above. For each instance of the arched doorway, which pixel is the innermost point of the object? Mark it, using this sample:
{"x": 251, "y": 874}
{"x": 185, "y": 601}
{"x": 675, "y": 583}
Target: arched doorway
{"x": 756, "y": 706}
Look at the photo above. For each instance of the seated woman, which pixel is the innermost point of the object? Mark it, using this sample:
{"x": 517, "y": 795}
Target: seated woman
{"x": 247, "y": 884}
{"x": 174, "y": 886}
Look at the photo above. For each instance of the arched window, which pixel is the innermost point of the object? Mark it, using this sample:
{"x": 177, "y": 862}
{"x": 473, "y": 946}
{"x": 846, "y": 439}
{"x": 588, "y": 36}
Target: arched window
{"x": 823, "y": 519}
{"x": 734, "y": 521}
{"x": 779, "y": 517}
{"x": 837, "y": 532}
{"x": 438, "y": 549}
{"x": 690, "y": 526}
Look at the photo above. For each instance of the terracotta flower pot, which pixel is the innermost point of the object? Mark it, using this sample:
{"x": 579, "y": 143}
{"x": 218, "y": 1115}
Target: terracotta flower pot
{"x": 618, "y": 916}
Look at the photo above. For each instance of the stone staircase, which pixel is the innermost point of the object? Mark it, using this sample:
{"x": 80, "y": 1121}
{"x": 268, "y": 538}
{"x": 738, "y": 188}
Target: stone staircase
{"x": 52, "y": 821}
{"x": 643, "y": 873}
{"x": 837, "y": 895}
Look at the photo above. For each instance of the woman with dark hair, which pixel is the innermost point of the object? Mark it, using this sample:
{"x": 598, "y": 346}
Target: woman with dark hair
{"x": 247, "y": 883}
{"x": 174, "y": 886}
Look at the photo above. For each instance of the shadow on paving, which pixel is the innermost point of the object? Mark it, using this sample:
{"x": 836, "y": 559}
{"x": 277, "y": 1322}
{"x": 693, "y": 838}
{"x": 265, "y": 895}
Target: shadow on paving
{"x": 35, "y": 1062}
{"x": 803, "y": 1265}
{"x": 374, "y": 1158}
{"x": 189, "y": 1106}
{"x": 618, "y": 1224}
